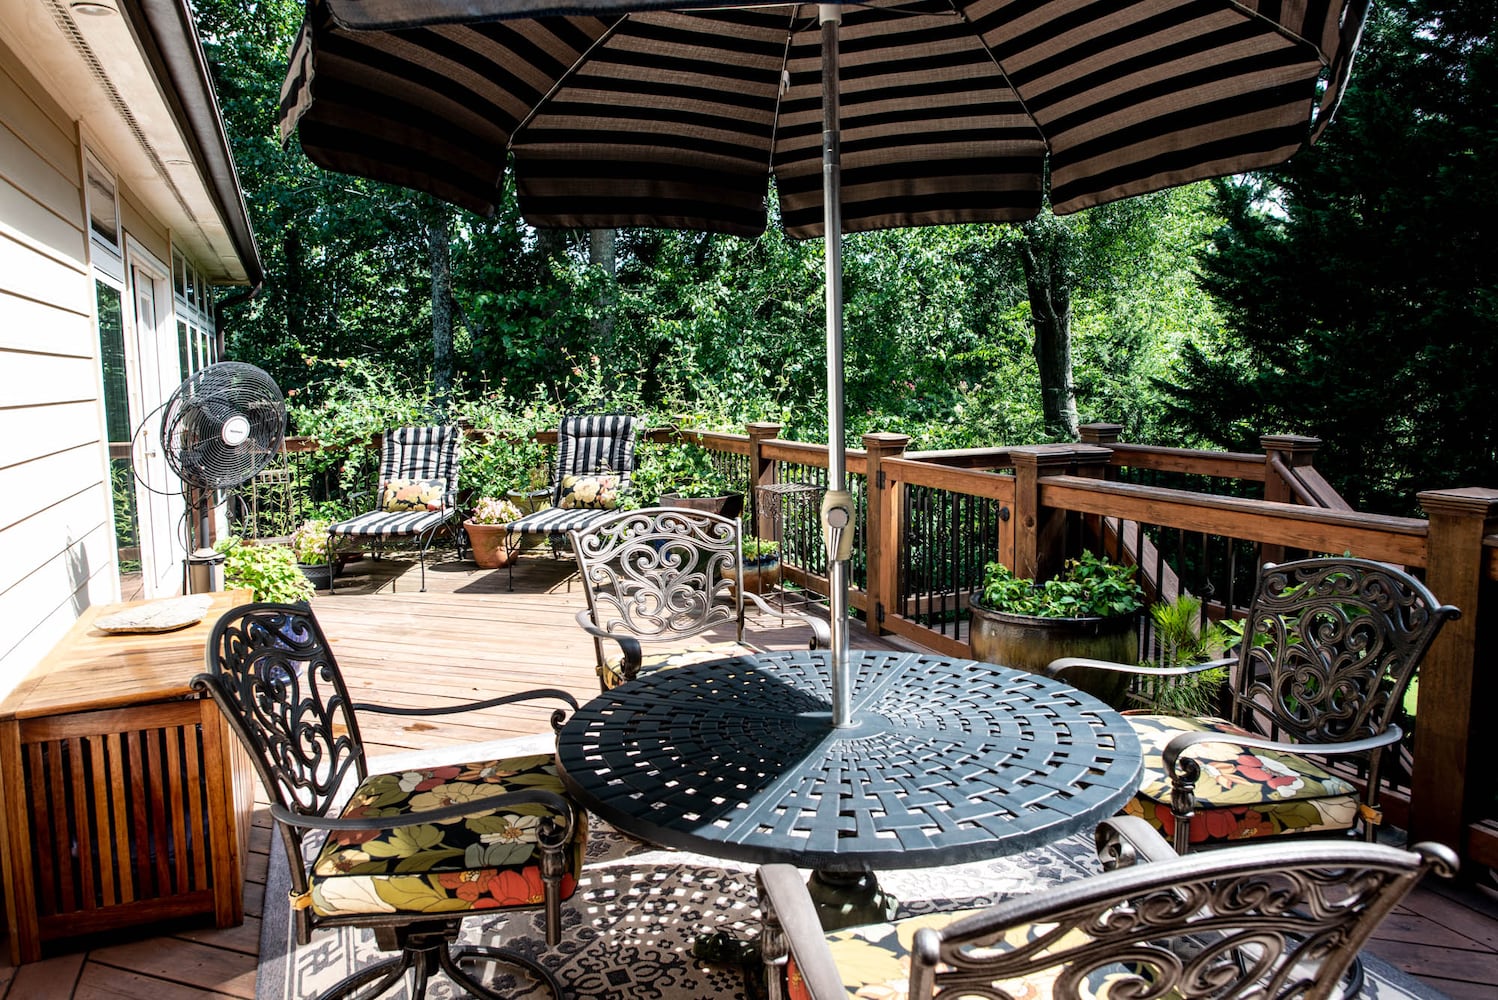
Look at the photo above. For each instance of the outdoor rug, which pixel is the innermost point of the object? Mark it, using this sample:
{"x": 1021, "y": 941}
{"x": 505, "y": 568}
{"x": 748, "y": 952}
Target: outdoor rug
{"x": 628, "y": 931}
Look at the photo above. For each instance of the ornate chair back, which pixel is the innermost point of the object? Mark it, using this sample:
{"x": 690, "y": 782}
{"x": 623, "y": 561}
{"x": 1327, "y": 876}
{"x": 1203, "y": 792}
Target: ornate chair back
{"x": 1329, "y": 647}
{"x": 1276, "y": 920}
{"x": 661, "y": 573}
{"x": 274, "y": 677}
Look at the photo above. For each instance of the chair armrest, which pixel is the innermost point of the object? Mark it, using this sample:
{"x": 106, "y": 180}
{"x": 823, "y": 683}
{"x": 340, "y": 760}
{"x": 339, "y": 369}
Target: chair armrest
{"x": 558, "y": 717}
{"x": 790, "y": 914}
{"x": 1124, "y": 841}
{"x": 633, "y": 654}
{"x": 1058, "y": 667}
{"x": 457, "y": 810}
{"x": 821, "y": 636}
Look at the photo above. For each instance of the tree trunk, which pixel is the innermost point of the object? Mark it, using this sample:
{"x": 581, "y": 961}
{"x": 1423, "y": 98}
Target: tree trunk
{"x": 442, "y": 304}
{"x": 602, "y": 253}
{"x": 1049, "y": 288}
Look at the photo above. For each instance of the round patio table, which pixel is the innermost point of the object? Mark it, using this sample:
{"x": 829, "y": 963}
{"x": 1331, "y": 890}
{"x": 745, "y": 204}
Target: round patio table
{"x": 948, "y": 760}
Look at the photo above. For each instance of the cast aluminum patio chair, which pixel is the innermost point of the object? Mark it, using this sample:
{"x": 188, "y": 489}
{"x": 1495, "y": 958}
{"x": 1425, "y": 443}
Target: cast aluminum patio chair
{"x": 595, "y": 458}
{"x": 1271, "y": 921}
{"x": 663, "y": 575}
{"x": 416, "y": 499}
{"x": 1332, "y": 645}
{"x": 407, "y": 854}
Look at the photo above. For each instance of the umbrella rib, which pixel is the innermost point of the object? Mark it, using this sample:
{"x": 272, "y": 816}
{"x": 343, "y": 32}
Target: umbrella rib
{"x": 785, "y": 82}
{"x": 999, "y": 65}
{"x": 562, "y": 80}
{"x": 1280, "y": 29}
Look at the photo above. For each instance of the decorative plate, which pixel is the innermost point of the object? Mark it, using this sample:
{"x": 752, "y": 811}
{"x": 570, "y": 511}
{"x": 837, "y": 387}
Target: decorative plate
{"x": 158, "y": 616}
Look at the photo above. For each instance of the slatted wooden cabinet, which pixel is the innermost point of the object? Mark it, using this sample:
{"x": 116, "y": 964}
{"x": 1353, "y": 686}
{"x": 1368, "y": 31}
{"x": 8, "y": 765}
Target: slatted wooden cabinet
{"x": 126, "y": 800}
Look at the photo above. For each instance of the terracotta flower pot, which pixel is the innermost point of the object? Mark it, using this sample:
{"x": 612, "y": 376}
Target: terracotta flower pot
{"x": 488, "y": 544}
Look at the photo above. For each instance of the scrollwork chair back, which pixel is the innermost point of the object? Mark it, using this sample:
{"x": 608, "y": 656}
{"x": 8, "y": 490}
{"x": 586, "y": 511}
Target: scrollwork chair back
{"x": 661, "y": 574}
{"x": 1330, "y": 646}
{"x": 1271, "y": 922}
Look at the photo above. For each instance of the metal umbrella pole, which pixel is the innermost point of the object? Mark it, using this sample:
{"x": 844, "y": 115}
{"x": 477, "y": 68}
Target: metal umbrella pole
{"x": 837, "y": 504}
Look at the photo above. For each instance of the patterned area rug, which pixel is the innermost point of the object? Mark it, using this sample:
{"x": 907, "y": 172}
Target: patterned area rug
{"x": 628, "y": 931}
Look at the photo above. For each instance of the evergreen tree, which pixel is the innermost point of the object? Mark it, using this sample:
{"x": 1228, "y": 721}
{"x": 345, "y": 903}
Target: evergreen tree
{"x": 1358, "y": 282}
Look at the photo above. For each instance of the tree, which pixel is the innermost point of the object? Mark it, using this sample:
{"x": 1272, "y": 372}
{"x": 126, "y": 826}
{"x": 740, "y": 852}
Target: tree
{"x": 1357, "y": 283}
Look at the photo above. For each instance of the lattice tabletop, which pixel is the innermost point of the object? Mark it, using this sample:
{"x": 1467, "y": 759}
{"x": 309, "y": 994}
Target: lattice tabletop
{"x": 949, "y": 760}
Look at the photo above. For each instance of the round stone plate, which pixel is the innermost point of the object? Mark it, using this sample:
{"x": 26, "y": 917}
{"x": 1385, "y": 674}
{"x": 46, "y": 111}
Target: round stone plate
{"x": 158, "y": 616}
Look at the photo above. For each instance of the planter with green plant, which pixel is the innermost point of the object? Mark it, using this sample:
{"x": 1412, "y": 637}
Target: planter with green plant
{"x": 488, "y": 532}
{"x": 684, "y": 475}
{"x": 267, "y": 569}
{"x": 761, "y": 566}
{"x": 1091, "y": 608}
{"x": 309, "y": 544}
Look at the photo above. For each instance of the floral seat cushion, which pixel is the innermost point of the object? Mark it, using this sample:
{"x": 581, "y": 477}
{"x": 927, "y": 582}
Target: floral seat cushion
{"x": 612, "y": 672}
{"x": 1241, "y": 794}
{"x": 874, "y": 961}
{"x": 487, "y": 861}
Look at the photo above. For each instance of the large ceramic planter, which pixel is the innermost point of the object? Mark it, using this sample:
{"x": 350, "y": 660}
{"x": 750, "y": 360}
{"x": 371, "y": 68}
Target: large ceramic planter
{"x": 760, "y": 577}
{"x": 729, "y": 505}
{"x": 1026, "y": 642}
{"x": 487, "y": 541}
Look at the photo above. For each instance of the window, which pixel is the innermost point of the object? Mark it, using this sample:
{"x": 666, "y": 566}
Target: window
{"x": 195, "y": 331}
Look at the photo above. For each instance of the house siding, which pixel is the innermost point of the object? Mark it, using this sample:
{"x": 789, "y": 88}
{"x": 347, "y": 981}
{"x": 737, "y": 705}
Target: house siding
{"x": 56, "y": 529}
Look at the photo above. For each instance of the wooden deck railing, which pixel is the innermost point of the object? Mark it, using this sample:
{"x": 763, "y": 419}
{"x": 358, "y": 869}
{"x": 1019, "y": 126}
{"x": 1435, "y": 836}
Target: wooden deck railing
{"x": 1194, "y": 521}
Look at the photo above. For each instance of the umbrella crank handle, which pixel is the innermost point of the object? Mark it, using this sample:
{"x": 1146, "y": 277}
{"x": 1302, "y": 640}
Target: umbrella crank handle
{"x": 837, "y": 524}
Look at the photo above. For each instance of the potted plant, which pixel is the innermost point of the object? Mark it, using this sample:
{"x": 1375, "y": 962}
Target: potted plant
{"x": 1183, "y": 640}
{"x": 1090, "y": 609}
{"x": 685, "y": 476}
{"x": 309, "y": 544}
{"x": 761, "y": 566}
{"x": 268, "y": 570}
{"x": 488, "y": 531}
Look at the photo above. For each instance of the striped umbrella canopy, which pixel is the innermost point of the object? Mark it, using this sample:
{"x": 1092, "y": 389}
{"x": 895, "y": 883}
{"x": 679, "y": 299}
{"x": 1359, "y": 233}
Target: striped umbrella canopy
{"x": 870, "y": 115}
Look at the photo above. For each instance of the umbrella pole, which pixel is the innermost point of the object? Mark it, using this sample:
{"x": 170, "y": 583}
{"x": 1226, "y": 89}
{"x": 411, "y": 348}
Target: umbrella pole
{"x": 837, "y": 506}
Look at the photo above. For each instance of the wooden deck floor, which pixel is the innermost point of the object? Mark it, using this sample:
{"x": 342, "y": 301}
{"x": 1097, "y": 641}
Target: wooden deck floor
{"x": 488, "y": 640}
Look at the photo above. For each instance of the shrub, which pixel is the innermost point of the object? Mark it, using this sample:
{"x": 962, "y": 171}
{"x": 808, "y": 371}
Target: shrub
{"x": 268, "y": 570}
{"x": 1089, "y": 587}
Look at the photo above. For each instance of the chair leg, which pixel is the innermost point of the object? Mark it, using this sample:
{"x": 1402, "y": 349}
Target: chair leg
{"x": 425, "y": 953}
{"x": 450, "y": 959}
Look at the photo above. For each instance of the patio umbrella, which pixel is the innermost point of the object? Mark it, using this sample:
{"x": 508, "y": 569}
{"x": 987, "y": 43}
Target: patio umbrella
{"x": 888, "y": 113}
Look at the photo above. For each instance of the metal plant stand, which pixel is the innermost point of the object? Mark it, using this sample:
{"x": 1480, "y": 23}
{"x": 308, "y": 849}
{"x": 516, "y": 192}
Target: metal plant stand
{"x": 794, "y": 506}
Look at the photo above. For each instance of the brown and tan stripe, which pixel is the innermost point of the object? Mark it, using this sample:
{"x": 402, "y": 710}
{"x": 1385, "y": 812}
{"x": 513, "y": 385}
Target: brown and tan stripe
{"x": 952, "y": 110}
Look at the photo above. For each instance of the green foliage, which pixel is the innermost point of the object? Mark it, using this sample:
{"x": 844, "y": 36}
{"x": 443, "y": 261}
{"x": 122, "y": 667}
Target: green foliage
{"x": 684, "y": 469}
{"x": 1357, "y": 284}
{"x": 760, "y": 550}
{"x": 1089, "y": 587}
{"x": 508, "y": 458}
{"x": 1183, "y": 642}
{"x": 309, "y": 543}
{"x": 269, "y": 570}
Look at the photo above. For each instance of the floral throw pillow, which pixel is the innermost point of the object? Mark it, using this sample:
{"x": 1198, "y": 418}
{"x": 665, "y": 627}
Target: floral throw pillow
{"x": 599, "y": 490}
{"x": 412, "y": 494}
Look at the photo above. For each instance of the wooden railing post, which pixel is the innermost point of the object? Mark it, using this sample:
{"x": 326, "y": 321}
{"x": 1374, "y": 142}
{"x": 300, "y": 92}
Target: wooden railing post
{"x": 1458, "y": 694}
{"x": 1040, "y": 533}
{"x": 761, "y": 473}
{"x": 882, "y": 532}
{"x": 1103, "y": 434}
{"x": 1290, "y": 451}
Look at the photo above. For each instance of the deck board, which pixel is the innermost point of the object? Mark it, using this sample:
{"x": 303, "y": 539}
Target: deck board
{"x": 469, "y": 637}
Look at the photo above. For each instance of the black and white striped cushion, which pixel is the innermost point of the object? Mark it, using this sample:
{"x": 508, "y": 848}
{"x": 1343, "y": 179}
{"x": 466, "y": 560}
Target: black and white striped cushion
{"x": 384, "y": 525}
{"x": 588, "y": 443}
{"x": 556, "y": 521}
{"x": 420, "y": 453}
